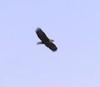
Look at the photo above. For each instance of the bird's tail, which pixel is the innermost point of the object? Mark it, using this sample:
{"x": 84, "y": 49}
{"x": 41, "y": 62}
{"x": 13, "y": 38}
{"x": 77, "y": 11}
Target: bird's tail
{"x": 39, "y": 43}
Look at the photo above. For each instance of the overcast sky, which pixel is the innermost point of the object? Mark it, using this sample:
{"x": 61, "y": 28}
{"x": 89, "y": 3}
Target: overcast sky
{"x": 75, "y": 27}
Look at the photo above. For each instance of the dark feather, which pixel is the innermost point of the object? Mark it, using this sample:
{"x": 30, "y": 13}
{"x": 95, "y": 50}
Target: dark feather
{"x": 42, "y": 35}
{"x": 51, "y": 46}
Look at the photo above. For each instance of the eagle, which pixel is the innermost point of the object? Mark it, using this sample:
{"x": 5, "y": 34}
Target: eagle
{"x": 45, "y": 40}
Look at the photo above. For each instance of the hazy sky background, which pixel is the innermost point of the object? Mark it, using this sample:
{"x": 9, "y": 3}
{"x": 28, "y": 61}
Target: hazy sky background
{"x": 75, "y": 27}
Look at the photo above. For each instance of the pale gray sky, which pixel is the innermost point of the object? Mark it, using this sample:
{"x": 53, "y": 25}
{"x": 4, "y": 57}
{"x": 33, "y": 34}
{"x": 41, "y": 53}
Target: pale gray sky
{"x": 75, "y": 27}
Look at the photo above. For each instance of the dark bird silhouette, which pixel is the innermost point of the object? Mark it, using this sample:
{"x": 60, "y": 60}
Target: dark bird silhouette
{"x": 45, "y": 40}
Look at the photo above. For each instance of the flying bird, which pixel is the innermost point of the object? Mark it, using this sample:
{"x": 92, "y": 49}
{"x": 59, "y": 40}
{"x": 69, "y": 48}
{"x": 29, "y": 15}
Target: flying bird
{"x": 45, "y": 40}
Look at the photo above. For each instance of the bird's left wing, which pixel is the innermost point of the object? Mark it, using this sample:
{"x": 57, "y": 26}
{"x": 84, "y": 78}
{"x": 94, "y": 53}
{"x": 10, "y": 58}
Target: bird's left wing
{"x": 42, "y": 36}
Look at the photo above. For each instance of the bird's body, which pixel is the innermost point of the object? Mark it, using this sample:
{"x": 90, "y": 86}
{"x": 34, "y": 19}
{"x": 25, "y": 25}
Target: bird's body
{"x": 45, "y": 40}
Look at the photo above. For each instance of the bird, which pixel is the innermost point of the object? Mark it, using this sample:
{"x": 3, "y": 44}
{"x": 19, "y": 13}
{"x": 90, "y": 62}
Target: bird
{"x": 45, "y": 40}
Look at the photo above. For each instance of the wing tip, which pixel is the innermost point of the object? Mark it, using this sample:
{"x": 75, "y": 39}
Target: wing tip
{"x": 54, "y": 50}
{"x": 38, "y": 29}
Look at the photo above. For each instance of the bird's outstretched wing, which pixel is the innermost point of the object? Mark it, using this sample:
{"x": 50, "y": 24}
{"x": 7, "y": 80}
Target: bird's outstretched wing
{"x": 42, "y": 36}
{"x": 51, "y": 46}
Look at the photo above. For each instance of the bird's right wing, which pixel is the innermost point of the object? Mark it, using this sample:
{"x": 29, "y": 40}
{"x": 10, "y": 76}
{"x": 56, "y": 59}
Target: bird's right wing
{"x": 51, "y": 46}
{"x": 42, "y": 36}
